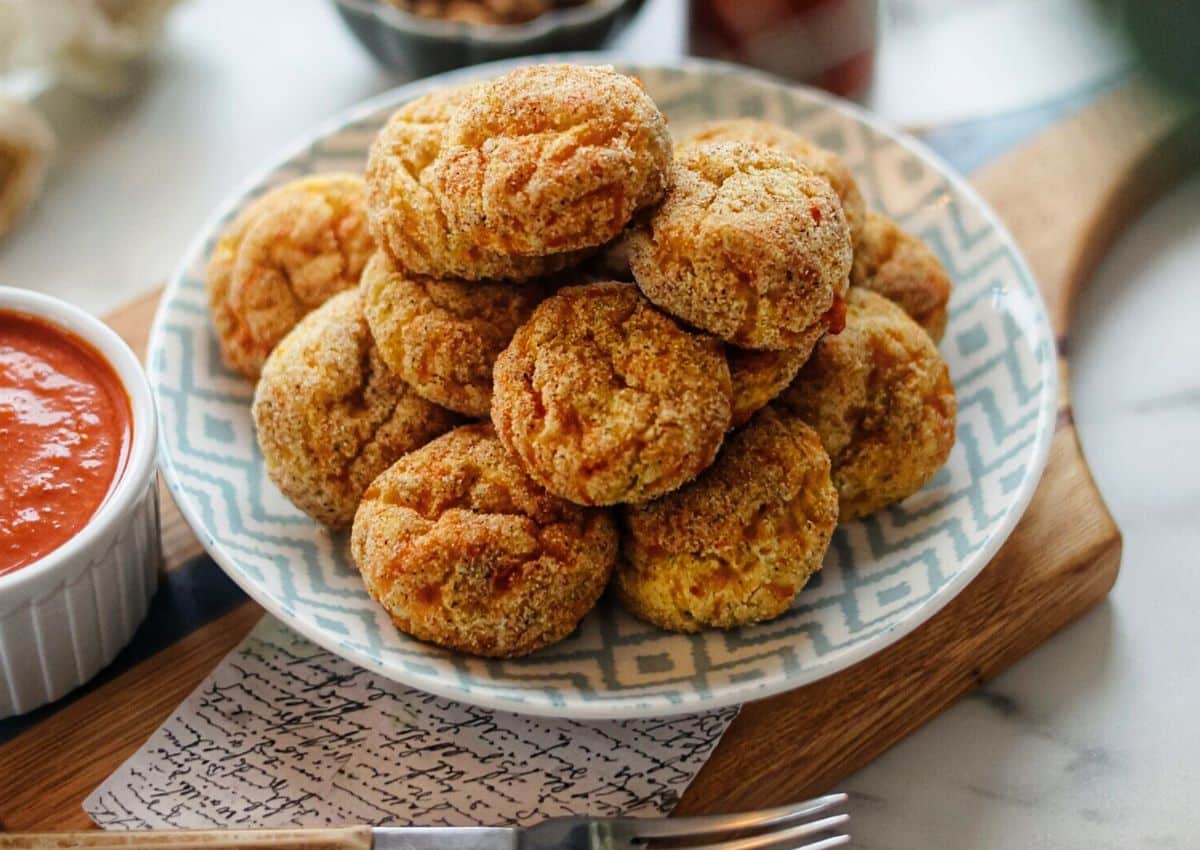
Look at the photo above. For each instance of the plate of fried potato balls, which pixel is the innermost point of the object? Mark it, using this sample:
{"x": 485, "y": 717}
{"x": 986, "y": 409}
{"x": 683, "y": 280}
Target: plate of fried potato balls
{"x": 604, "y": 391}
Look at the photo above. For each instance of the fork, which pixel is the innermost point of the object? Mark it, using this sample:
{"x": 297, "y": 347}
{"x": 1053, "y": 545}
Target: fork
{"x": 794, "y": 827}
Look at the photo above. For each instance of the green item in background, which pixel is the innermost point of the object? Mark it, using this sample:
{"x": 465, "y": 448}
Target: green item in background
{"x": 1164, "y": 35}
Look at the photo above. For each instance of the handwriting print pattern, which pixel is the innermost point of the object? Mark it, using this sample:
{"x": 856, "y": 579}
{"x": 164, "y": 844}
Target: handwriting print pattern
{"x": 284, "y": 733}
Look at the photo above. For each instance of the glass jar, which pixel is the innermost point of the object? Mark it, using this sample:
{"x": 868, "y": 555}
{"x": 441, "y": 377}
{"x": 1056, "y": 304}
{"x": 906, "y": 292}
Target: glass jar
{"x": 828, "y": 43}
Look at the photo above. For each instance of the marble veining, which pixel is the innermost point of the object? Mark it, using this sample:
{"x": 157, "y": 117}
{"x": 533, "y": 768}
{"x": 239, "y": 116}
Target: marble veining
{"x": 1091, "y": 742}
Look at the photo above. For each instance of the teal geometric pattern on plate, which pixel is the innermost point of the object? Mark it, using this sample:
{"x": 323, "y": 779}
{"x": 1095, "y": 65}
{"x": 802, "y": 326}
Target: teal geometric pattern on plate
{"x": 883, "y": 576}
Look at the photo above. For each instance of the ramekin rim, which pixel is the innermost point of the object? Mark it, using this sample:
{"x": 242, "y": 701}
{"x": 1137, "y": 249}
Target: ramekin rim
{"x": 140, "y": 466}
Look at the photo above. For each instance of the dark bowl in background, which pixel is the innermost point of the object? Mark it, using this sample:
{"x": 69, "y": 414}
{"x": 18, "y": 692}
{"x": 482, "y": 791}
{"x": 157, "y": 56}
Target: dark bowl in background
{"x": 417, "y": 46}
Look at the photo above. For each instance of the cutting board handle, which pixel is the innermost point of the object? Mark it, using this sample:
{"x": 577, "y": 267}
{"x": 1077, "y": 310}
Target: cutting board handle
{"x": 1069, "y": 192}
{"x": 1065, "y": 195}
{"x": 350, "y": 838}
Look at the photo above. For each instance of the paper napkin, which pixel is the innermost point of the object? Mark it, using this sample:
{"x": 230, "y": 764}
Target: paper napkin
{"x": 284, "y": 733}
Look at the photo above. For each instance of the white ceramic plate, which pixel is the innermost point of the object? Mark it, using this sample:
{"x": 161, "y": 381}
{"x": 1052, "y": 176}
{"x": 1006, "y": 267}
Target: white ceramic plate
{"x": 883, "y": 575}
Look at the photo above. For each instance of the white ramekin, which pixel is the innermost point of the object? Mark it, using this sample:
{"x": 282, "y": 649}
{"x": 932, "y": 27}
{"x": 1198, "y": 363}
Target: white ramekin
{"x": 66, "y": 616}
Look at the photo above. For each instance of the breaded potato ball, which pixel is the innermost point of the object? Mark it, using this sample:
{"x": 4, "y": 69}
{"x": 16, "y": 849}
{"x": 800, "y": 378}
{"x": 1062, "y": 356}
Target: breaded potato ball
{"x": 443, "y": 336}
{"x": 736, "y": 545}
{"x": 404, "y": 206}
{"x": 757, "y": 377}
{"x": 282, "y": 257}
{"x": 825, "y": 162}
{"x": 464, "y": 550}
{"x": 551, "y": 158}
{"x": 880, "y": 396}
{"x": 603, "y": 399}
{"x": 331, "y": 416}
{"x": 902, "y": 268}
{"x": 749, "y": 245}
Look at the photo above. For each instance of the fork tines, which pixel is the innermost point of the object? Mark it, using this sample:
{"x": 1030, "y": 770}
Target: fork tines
{"x": 782, "y": 828}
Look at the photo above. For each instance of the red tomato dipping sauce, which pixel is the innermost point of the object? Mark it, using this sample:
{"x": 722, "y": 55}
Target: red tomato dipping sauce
{"x": 65, "y": 433}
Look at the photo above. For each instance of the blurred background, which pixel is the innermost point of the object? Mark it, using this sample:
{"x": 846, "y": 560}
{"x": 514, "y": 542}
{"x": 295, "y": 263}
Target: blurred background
{"x": 147, "y": 113}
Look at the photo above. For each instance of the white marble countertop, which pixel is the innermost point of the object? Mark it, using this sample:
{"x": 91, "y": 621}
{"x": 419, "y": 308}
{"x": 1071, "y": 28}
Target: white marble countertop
{"x": 1090, "y": 742}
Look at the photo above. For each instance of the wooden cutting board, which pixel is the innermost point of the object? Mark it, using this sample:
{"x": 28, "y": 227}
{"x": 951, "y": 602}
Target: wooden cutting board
{"x": 1064, "y": 195}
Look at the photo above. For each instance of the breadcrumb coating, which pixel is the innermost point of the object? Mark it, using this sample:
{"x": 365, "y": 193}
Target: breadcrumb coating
{"x": 404, "y": 205}
{"x": 902, "y": 268}
{"x": 736, "y": 545}
{"x": 758, "y": 377}
{"x": 880, "y": 396}
{"x": 464, "y": 550}
{"x": 443, "y": 336}
{"x": 749, "y": 245}
{"x": 551, "y": 158}
{"x": 824, "y": 162}
{"x": 603, "y": 399}
{"x": 282, "y": 257}
{"x": 330, "y": 416}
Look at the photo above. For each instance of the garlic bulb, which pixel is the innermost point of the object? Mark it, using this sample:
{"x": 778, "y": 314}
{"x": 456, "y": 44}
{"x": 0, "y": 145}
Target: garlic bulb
{"x": 86, "y": 44}
{"x": 26, "y": 143}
